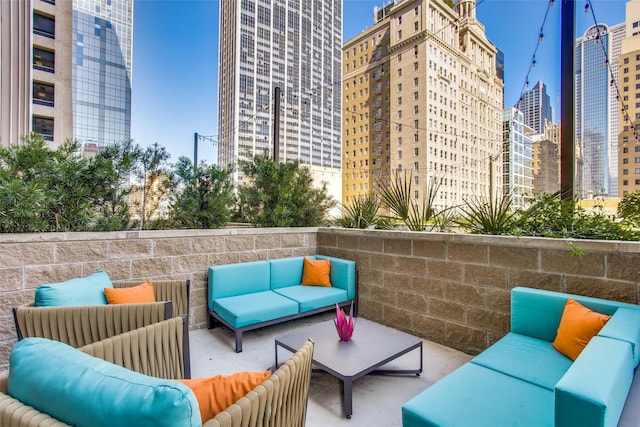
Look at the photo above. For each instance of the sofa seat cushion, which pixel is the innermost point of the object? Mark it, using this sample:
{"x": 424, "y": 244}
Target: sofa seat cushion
{"x": 624, "y": 326}
{"x": 83, "y": 390}
{"x": 244, "y": 310}
{"x": 312, "y": 297}
{"x": 87, "y": 290}
{"x": 473, "y": 396}
{"x": 526, "y": 358}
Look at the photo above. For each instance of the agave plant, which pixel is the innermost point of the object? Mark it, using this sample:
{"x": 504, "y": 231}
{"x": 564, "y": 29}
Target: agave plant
{"x": 480, "y": 215}
{"x": 344, "y": 324}
{"x": 363, "y": 213}
{"x": 397, "y": 197}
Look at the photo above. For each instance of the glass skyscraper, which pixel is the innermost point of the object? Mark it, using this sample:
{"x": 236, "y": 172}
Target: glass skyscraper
{"x": 596, "y": 115}
{"x": 535, "y": 104}
{"x": 102, "y": 57}
{"x": 296, "y": 46}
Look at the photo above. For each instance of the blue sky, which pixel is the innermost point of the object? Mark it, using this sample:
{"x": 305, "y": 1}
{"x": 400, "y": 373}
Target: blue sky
{"x": 175, "y": 51}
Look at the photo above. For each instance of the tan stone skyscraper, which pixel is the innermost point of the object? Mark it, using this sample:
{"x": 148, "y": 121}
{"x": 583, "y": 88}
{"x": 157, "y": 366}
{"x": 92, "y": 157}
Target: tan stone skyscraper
{"x": 422, "y": 95}
{"x": 629, "y": 117}
{"x": 36, "y": 70}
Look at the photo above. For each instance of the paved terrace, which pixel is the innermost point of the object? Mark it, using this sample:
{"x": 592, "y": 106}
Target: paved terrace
{"x": 377, "y": 399}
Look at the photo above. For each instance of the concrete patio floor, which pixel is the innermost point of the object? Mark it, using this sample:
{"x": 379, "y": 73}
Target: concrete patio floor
{"x": 377, "y": 399}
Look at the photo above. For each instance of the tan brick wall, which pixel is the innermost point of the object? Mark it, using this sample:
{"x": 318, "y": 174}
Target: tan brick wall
{"x": 29, "y": 260}
{"x": 455, "y": 289}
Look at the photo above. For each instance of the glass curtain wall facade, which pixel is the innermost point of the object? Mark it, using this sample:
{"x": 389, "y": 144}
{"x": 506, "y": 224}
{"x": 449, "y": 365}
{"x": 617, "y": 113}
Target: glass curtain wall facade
{"x": 596, "y": 115}
{"x": 517, "y": 158}
{"x": 102, "y": 58}
{"x": 295, "y": 46}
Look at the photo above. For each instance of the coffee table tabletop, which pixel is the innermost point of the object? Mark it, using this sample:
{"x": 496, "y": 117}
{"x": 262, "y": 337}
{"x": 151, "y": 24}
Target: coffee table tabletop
{"x": 371, "y": 347}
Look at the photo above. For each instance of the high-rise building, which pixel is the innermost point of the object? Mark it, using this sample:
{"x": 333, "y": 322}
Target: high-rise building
{"x": 66, "y": 70}
{"x": 546, "y": 160}
{"x": 102, "y": 59}
{"x": 535, "y": 104}
{"x": 36, "y": 71}
{"x": 629, "y": 116}
{"x": 423, "y": 96}
{"x": 293, "y": 46}
{"x": 597, "y": 53}
{"x": 517, "y": 160}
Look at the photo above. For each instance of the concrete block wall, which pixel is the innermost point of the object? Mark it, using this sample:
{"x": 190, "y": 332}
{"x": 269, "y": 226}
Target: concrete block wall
{"x": 29, "y": 260}
{"x": 454, "y": 289}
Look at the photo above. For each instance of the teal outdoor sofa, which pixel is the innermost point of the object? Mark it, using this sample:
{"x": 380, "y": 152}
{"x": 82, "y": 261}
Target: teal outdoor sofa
{"x": 522, "y": 380}
{"x": 250, "y": 295}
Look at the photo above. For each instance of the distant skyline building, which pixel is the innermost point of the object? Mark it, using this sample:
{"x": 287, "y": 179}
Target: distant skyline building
{"x": 596, "y": 111}
{"x": 66, "y": 71}
{"x": 545, "y": 149}
{"x": 423, "y": 100}
{"x": 294, "y": 46}
{"x": 535, "y": 104}
{"x": 517, "y": 158}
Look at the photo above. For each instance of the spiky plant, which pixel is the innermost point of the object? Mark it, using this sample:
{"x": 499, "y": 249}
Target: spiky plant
{"x": 481, "y": 215}
{"x": 363, "y": 212}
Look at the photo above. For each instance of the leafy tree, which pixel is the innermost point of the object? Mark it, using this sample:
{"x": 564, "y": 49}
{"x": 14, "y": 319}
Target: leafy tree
{"x": 112, "y": 169}
{"x": 549, "y": 216}
{"x": 281, "y": 194}
{"x": 629, "y": 208}
{"x": 154, "y": 173}
{"x": 44, "y": 189}
{"x": 206, "y": 196}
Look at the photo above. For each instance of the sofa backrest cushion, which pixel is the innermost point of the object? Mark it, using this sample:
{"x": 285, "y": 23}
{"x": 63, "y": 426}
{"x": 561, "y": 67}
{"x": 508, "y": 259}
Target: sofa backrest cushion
{"x": 537, "y": 313}
{"x": 286, "y": 272}
{"x": 230, "y": 280}
{"x": 624, "y": 325}
{"x": 83, "y": 390}
{"x": 577, "y": 326}
{"x": 343, "y": 274}
{"x": 87, "y": 290}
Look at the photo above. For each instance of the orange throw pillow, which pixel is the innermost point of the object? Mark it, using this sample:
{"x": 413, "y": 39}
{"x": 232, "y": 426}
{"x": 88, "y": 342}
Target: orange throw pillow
{"x": 215, "y": 394}
{"x": 132, "y": 295}
{"x": 315, "y": 272}
{"x": 577, "y": 326}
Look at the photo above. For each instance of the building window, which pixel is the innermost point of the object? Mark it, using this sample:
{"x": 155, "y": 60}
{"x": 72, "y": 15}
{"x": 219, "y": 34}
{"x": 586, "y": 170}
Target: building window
{"x": 415, "y": 194}
{"x": 415, "y": 66}
{"x": 399, "y": 34}
{"x": 625, "y": 182}
{"x": 415, "y": 11}
{"x": 43, "y": 126}
{"x": 416, "y": 95}
{"x": 415, "y": 26}
{"x": 44, "y": 60}
{"x": 43, "y": 93}
{"x": 44, "y": 25}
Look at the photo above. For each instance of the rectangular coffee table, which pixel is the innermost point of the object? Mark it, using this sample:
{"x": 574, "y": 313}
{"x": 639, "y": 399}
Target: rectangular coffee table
{"x": 372, "y": 346}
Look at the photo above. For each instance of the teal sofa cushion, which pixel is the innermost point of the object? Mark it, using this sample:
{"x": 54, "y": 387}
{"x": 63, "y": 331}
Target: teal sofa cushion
{"x": 474, "y": 396}
{"x": 286, "y": 272}
{"x": 594, "y": 390}
{"x": 237, "y": 279}
{"x": 529, "y": 359}
{"x": 311, "y": 297}
{"x": 624, "y": 325}
{"x": 82, "y": 390}
{"x": 342, "y": 274}
{"x": 537, "y": 313}
{"x": 244, "y": 310}
{"x": 87, "y": 290}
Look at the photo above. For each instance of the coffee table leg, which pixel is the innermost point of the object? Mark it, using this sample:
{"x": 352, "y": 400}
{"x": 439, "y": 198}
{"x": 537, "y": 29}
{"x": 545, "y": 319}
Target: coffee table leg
{"x": 347, "y": 387}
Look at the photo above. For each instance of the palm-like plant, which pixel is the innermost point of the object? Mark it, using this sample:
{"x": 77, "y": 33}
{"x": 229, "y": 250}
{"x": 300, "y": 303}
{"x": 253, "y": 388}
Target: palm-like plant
{"x": 364, "y": 212}
{"x": 397, "y": 198}
{"x": 480, "y": 215}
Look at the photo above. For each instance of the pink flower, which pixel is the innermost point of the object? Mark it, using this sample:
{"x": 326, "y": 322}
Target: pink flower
{"x": 344, "y": 324}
